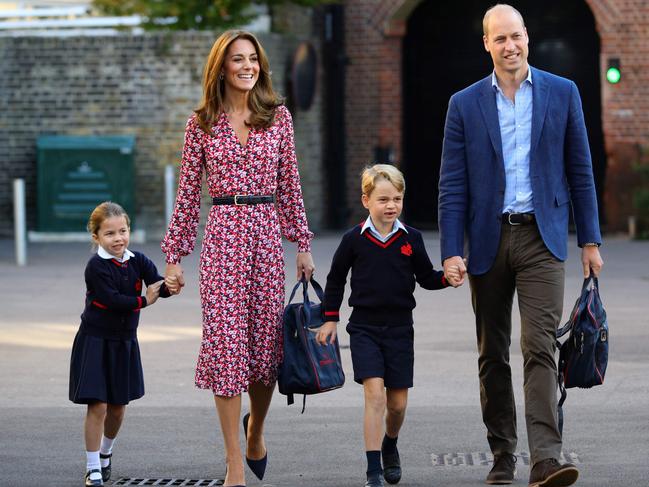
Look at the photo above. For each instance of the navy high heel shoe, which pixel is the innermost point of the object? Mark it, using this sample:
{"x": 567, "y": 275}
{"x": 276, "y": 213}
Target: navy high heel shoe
{"x": 258, "y": 467}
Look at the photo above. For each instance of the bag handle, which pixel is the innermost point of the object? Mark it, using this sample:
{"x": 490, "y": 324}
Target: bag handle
{"x": 305, "y": 285}
{"x": 590, "y": 283}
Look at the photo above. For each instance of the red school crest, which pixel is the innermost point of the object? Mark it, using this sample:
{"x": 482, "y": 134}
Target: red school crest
{"x": 138, "y": 285}
{"x": 406, "y": 249}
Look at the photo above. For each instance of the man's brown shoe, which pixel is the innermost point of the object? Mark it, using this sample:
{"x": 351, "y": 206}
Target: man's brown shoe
{"x": 550, "y": 473}
{"x": 503, "y": 471}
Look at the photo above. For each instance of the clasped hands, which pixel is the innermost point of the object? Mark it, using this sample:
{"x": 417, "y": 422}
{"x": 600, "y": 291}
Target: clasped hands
{"x": 174, "y": 279}
{"x": 455, "y": 270}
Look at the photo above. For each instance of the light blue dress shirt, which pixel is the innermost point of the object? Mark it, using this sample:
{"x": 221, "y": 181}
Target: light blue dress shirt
{"x": 369, "y": 225}
{"x": 515, "y": 120}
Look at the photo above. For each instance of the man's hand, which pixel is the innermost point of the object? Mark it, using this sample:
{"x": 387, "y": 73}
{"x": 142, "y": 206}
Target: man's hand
{"x": 174, "y": 279}
{"x": 453, "y": 266}
{"x": 590, "y": 259}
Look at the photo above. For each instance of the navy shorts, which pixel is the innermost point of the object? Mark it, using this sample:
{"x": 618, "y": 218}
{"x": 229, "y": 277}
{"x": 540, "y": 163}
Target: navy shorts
{"x": 382, "y": 351}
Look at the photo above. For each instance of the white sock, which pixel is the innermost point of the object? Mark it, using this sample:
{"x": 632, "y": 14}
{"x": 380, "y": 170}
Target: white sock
{"x": 92, "y": 462}
{"x": 106, "y": 448}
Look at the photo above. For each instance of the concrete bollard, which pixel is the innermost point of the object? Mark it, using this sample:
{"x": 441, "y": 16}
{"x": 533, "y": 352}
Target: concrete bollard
{"x": 20, "y": 226}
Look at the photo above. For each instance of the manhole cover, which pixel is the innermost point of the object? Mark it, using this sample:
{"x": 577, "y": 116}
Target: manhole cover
{"x": 483, "y": 458}
{"x": 170, "y": 482}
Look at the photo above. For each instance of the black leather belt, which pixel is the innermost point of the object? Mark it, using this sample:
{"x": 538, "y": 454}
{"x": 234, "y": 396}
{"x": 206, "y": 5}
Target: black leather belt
{"x": 518, "y": 218}
{"x": 242, "y": 199}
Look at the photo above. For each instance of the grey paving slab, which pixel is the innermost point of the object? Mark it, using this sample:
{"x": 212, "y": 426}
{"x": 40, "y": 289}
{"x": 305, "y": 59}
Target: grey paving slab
{"x": 172, "y": 432}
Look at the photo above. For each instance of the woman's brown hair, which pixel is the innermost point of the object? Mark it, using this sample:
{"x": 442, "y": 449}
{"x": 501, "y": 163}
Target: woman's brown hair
{"x": 262, "y": 100}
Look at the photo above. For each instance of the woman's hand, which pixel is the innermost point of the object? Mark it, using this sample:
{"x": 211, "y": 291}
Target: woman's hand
{"x": 153, "y": 292}
{"x": 305, "y": 265}
{"x": 326, "y": 331}
{"x": 174, "y": 279}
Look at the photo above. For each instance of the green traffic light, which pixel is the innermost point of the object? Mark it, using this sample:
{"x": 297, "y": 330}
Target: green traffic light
{"x": 613, "y": 75}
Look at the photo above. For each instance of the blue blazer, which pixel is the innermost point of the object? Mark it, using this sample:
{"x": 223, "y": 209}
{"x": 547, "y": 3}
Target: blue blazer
{"x": 472, "y": 175}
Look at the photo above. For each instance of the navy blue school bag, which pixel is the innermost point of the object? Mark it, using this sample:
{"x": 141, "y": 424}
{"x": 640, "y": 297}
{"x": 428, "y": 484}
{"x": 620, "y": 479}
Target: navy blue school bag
{"x": 307, "y": 367}
{"x": 583, "y": 356}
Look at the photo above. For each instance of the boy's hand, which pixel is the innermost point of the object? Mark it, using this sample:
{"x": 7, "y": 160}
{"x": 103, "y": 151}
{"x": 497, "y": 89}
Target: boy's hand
{"x": 327, "y": 330}
{"x": 153, "y": 292}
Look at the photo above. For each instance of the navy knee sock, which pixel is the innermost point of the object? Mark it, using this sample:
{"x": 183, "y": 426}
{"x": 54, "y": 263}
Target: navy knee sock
{"x": 373, "y": 462}
{"x": 389, "y": 444}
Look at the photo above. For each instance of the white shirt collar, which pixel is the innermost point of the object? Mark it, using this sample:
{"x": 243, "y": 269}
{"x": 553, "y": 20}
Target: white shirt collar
{"x": 104, "y": 254}
{"x": 395, "y": 228}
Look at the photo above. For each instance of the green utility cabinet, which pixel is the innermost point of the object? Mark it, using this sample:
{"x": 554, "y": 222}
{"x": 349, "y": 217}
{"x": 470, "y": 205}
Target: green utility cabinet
{"x": 76, "y": 173}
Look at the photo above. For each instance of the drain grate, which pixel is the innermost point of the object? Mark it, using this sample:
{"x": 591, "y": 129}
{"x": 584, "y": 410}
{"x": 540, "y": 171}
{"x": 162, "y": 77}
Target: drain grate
{"x": 483, "y": 458}
{"x": 169, "y": 482}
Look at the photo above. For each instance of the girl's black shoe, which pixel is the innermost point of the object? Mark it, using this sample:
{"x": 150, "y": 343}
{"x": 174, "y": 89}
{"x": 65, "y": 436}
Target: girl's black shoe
{"x": 258, "y": 467}
{"x": 93, "y": 482}
{"x": 105, "y": 471}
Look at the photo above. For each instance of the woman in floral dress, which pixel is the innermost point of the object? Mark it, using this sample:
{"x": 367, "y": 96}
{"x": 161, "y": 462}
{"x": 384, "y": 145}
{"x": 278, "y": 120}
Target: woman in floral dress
{"x": 241, "y": 138}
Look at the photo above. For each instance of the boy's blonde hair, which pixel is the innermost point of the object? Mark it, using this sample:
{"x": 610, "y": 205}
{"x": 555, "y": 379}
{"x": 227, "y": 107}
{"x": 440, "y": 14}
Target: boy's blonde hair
{"x": 372, "y": 174}
{"x": 105, "y": 210}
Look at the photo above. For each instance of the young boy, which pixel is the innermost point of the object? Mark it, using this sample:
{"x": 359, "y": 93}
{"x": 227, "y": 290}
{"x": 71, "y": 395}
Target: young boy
{"x": 386, "y": 258}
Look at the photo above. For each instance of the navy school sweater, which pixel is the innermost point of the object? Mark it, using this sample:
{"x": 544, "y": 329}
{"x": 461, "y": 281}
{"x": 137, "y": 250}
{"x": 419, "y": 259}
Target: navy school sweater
{"x": 114, "y": 295}
{"x": 383, "y": 277}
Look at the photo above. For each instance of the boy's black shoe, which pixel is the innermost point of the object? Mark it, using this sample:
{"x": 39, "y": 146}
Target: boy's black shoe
{"x": 105, "y": 471}
{"x": 503, "y": 471}
{"x": 391, "y": 466}
{"x": 93, "y": 482}
{"x": 374, "y": 480}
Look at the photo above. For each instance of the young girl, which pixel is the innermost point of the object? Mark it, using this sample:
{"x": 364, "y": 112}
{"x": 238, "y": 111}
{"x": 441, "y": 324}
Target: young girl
{"x": 386, "y": 258}
{"x": 105, "y": 368}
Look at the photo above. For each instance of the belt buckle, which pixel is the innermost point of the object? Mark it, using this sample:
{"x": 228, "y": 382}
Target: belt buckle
{"x": 236, "y": 202}
{"x": 509, "y": 220}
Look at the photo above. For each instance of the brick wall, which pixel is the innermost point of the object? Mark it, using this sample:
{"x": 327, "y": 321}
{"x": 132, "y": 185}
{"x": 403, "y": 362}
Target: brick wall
{"x": 373, "y": 91}
{"x": 146, "y": 85}
{"x": 623, "y": 26}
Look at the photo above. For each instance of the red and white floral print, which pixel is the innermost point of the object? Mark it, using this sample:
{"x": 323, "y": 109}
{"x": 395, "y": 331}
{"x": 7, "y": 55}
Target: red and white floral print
{"x": 242, "y": 265}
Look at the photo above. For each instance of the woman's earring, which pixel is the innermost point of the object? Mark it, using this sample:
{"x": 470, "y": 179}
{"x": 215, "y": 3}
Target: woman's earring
{"x": 221, "y": 76}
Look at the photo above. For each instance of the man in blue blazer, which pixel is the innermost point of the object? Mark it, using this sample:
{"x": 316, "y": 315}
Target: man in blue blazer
{"x": 515, "y": 156}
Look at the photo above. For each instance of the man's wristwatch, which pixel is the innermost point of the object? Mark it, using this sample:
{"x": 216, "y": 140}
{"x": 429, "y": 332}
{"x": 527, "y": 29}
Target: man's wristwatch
{"x": 590, "y": 244}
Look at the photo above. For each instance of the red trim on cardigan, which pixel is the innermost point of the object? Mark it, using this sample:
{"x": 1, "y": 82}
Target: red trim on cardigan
{"x": 385, "y": 245}
{"x": 99, "y": 305}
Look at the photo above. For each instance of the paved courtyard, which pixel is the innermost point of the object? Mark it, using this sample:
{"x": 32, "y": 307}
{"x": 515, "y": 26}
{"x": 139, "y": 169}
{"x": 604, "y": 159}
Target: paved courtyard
{"x": 172, "y": 432}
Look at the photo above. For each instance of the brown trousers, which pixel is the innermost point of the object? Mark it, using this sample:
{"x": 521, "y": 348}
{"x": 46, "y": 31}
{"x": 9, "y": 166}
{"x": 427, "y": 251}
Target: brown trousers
{"x": 524, "y": 265}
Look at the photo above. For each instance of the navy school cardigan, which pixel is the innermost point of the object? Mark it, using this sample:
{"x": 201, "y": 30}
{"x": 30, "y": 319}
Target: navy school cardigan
{"x": 383, "y": 277}
{"x": 114, "y": 295}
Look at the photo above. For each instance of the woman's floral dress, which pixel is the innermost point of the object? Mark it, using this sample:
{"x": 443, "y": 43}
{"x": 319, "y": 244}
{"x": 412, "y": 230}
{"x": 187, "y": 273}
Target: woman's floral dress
{"x": 241, "y": 262}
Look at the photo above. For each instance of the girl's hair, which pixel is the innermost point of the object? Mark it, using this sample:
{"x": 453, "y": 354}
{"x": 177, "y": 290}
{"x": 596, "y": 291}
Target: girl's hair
{"x": 372, "y": 174}
{"x": 105, "y": 210}
{"x": 262, "y": 100}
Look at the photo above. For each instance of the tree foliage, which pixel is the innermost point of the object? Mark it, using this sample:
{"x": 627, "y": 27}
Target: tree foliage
{"x": 191, "y": 14}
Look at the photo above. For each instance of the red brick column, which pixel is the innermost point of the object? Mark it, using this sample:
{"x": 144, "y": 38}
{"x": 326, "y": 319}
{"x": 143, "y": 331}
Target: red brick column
{"x": 373, "y": 38}
{"x": 623, "y": 26}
